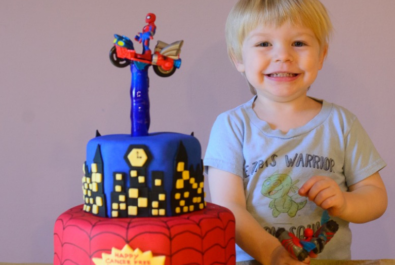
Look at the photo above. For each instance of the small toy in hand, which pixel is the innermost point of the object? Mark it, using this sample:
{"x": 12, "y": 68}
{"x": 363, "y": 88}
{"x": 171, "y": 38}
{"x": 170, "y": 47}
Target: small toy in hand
{"x": 313, "y": 243}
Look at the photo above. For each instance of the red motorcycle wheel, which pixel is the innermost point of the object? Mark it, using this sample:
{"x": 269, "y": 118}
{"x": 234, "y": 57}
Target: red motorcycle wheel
{"x": 121, "y": 63}
{"x": 163, "y": 73}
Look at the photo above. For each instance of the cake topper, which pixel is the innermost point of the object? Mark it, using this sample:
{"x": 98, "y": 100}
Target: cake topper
{"x": 165, "y": 60}
{"x": 313, "y": 243}
{"x": 147, "y": 34}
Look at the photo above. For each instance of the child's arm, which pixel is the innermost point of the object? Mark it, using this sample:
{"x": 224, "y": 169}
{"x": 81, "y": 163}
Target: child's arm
{"x": 364, "y": 202}
{"x": 226, "y": 189}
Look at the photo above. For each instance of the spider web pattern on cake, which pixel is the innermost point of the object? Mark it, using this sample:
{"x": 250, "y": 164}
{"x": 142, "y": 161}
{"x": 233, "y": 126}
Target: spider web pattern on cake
{"x": 201, "y": 237}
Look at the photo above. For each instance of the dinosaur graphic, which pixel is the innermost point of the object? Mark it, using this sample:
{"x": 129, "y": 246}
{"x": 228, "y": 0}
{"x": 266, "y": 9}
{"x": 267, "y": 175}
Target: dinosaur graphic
{"x": 278, "y": 187}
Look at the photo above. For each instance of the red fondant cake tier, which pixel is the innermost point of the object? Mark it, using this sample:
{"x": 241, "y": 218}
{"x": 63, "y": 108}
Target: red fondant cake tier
{"x": 201, "y": 237}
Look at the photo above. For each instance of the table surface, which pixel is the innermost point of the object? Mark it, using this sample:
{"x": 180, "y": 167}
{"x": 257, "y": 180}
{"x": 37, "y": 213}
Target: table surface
{"x": 313, "y": 262}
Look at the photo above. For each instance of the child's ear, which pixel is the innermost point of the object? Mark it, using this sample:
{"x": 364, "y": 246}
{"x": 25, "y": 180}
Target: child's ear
{"x": 238, "y": 64}
{"x": 323, "y": 55}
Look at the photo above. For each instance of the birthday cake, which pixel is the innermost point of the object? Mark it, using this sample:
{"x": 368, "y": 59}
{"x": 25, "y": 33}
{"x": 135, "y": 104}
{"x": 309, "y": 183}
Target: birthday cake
{"x": 144, "y": 199}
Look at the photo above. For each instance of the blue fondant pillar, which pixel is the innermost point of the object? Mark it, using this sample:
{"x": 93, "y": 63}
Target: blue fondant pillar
{"x": 139, "y": 113}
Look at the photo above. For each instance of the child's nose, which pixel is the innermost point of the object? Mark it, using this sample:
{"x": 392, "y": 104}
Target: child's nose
{"x": 283, "y": 54}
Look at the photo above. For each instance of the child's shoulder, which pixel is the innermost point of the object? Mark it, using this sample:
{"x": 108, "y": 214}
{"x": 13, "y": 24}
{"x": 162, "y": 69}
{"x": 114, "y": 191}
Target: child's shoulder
{"x": 341, "y": 113}
{"x": 341, "y": 117}
{"x": 241, "y": 112}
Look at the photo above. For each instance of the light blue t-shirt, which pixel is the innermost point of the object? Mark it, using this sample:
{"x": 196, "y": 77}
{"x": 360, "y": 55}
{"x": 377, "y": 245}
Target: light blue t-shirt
{"x": 274, "y": 165}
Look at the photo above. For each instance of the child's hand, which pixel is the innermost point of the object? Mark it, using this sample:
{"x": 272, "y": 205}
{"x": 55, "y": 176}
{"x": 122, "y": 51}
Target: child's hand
{"x": 281, "y": 256}
{"x": 324, "y": 192}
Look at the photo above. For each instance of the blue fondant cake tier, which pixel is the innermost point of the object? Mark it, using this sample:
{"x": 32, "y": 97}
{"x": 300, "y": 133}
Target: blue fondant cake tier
{"x": 156, "y": 175}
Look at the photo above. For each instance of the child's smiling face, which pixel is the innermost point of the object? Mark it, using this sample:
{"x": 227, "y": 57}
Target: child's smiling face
{"x": 281, "y": 62}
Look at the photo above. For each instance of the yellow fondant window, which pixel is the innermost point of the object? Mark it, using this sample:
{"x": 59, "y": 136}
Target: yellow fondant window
{"x": 158, "y": 182}
{"x": 115, "y": 206}
{"x": 94, "y": 167}
{"x": 133, "y": 173}
{"x": 141, "y": 179}
{"x": 118, "y": 176}
{"x": 99, "y": 178}
{"x": 122, "y": 206}
{"x": 177, "y": 196}
{"x": 122, "y": 198}
{"x": 162, "y": 197}
{"x": 186, "y": 194}
{"x": 118, "y": 188}
{"x": 185, "y": 175}
{"x": 132, "y": 210}
{"x": 180, "y": 166}
{"x": 143, "y": 202}
{"x": 99, "y": 201}
{"x": 180, "y": 184}
{"x": 94, "y": 177}
{"x": 155, "y": 204}
{"x": 162, "y": 212}
{"x": 95, "y": 209}
{"x": 133, "y": 193}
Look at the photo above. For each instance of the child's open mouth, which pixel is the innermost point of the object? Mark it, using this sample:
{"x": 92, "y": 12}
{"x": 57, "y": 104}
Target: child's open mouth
{"x": 282, "y": 75}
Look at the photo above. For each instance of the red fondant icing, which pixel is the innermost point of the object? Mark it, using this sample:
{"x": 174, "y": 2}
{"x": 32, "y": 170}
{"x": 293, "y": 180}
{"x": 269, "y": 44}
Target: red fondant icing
{"x": 214, "y": 255}
{"x": 186, "y": 256}
{"x": 201, "y": 237}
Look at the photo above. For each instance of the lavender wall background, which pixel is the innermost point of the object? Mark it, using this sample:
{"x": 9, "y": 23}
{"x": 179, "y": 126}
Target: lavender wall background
{"x": 58, "y": 86}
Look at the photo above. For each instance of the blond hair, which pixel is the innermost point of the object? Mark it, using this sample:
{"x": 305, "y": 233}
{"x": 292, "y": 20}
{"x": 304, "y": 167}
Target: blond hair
{"x": 246, "y": 15}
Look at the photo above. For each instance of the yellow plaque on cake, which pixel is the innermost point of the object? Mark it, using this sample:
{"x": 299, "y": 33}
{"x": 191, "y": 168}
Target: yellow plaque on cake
{"x": 137, "y": 157}
{"x": 129, "y": 256}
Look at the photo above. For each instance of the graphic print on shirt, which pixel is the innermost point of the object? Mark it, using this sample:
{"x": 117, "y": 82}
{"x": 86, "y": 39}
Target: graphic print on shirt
{"x": 279, "y": 188}
{"x": 297, "y": 160}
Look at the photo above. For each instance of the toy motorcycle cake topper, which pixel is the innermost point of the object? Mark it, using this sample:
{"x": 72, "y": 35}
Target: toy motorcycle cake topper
{"x": 165, "y": 60}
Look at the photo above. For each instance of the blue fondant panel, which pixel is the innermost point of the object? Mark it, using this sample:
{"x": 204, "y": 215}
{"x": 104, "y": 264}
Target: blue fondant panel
{"x": 163, "y": 149}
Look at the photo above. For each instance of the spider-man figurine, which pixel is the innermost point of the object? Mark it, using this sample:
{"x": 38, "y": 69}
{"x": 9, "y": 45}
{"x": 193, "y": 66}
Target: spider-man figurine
{"x": 313, "y": 243}
{"x": 147, "y": 34}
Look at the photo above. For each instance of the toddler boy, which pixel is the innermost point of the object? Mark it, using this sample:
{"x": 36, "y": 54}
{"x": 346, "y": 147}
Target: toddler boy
{"x": 282, "y": 158}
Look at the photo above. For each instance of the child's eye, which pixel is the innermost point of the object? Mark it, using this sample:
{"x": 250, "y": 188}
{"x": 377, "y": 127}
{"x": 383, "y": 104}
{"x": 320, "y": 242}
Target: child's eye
{"x": 264, "y": 44}
{"x": 299, "y": 44}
